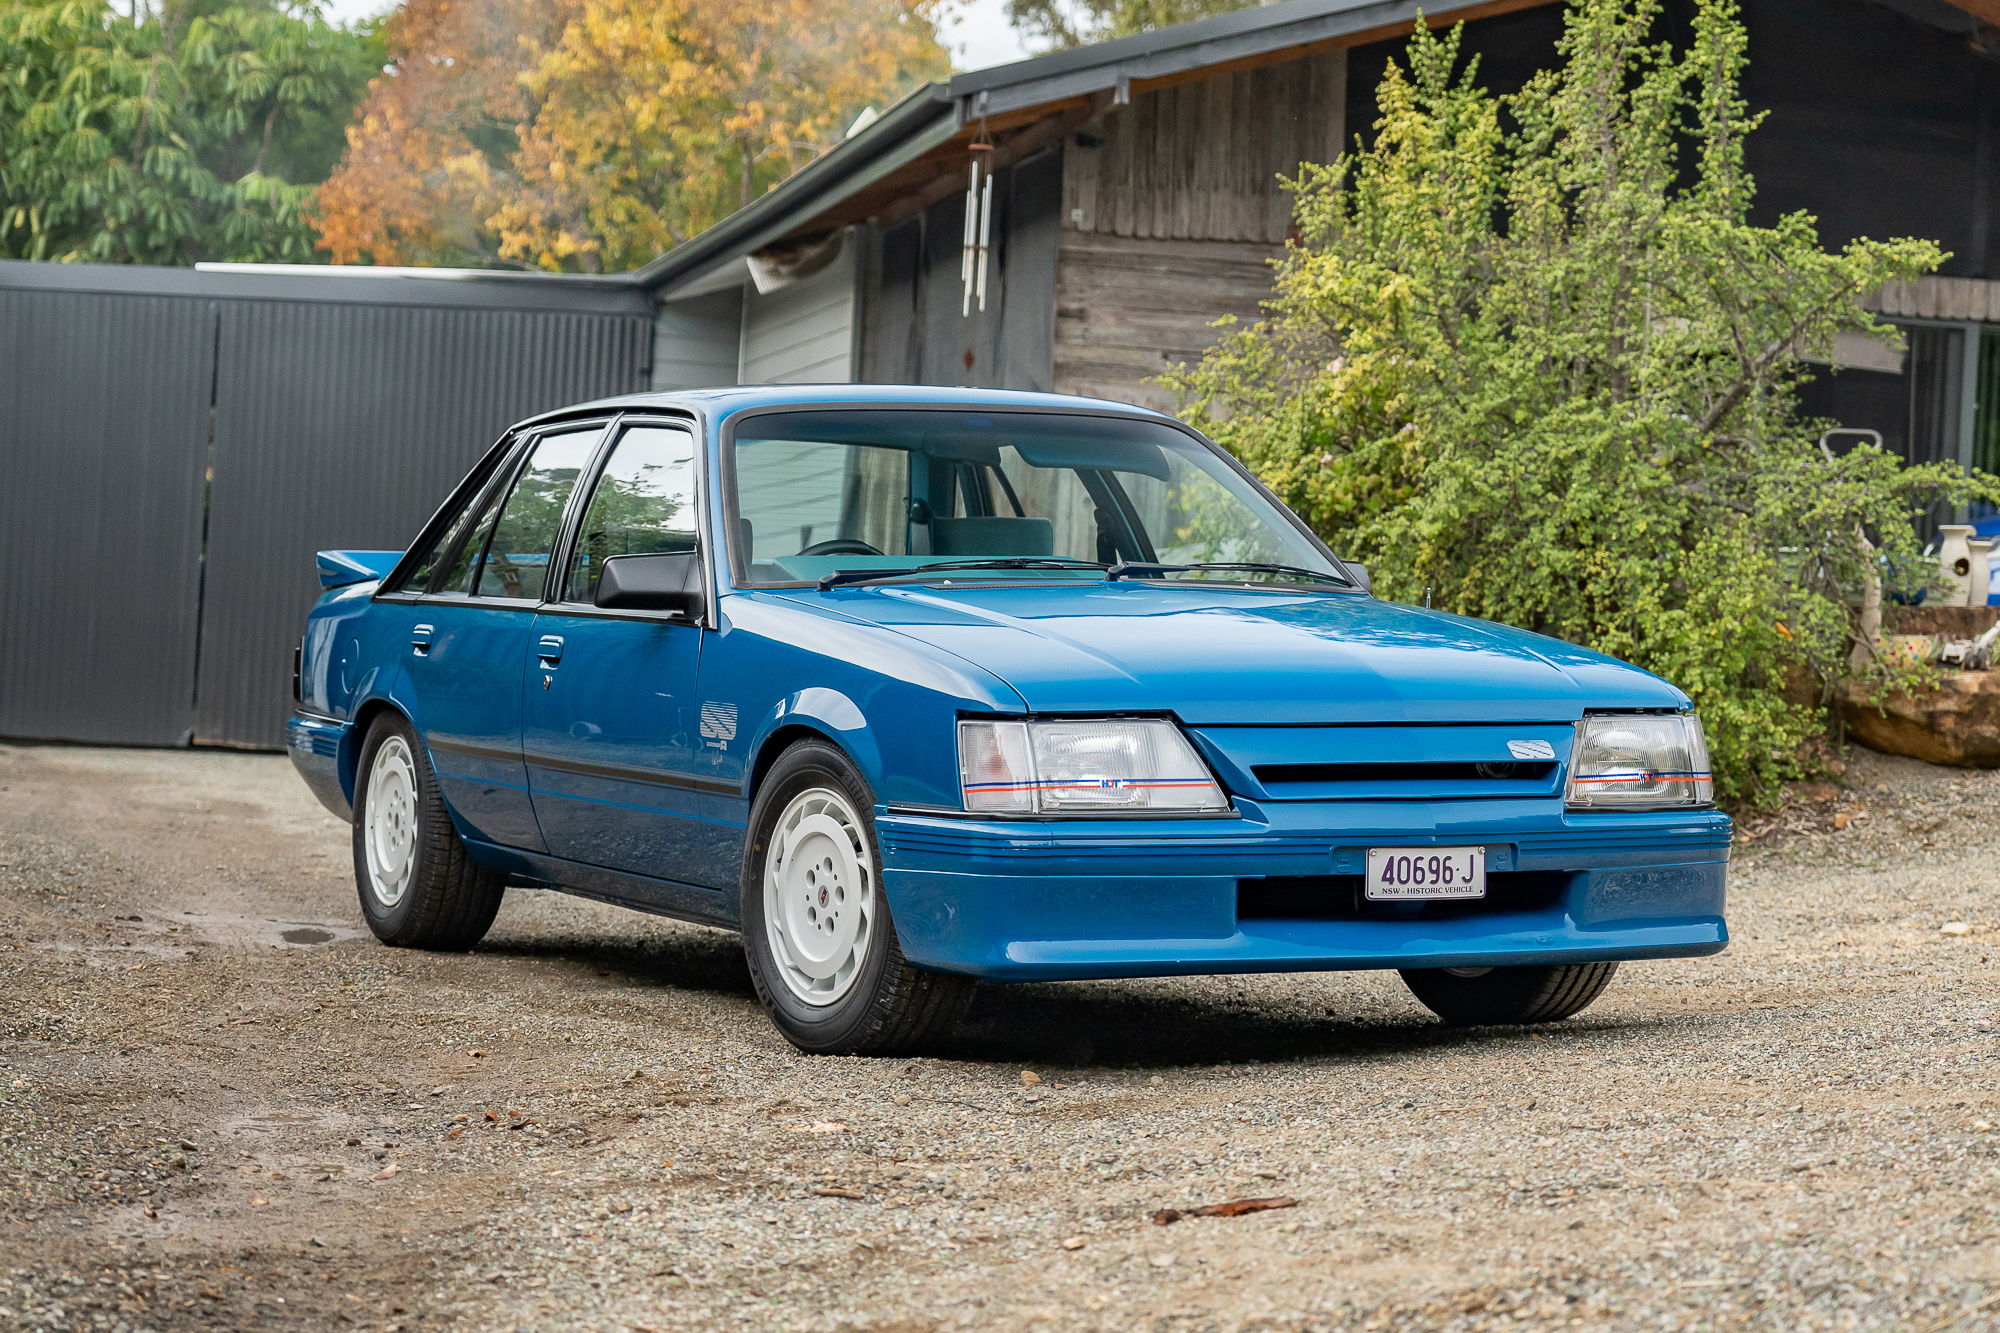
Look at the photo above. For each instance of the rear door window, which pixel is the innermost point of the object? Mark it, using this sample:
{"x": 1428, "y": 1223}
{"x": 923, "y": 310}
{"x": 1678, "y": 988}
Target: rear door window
{"x": 479, "y": 495}
{"x": 513, "y": 560}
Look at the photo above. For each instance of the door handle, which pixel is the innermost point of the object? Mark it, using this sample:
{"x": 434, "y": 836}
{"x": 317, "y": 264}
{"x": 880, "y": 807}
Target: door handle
{"x": 420, "y": 641}
{"x": 549, "y": 650}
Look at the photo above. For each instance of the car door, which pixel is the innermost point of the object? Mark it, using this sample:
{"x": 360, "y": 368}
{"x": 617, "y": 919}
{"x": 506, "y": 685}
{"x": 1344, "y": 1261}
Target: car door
{"x": 468, "y": 636}
{"x": 611, "y": 716}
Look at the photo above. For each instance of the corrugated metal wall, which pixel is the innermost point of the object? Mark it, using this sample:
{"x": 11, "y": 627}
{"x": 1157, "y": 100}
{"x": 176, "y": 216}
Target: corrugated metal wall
{"x": 336, "y": 423}
{"x": 103, "y": 432}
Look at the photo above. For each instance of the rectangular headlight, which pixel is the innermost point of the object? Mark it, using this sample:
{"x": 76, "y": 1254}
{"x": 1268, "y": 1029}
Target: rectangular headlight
{"x": 1062, "y": 767}
{"x": 1639, "y": 761}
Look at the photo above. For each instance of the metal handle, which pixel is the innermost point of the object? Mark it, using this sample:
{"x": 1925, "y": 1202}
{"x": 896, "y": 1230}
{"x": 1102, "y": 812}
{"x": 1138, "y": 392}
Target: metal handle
{"x": 549, "y": 650}
{"x": 420, "y": 641}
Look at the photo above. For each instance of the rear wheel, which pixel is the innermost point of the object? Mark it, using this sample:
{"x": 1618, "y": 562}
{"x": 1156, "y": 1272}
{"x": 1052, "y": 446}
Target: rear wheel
{"x": 816, "y": 927}
{"x": 1475, "y": 996}
{"x": 419, "y": 888}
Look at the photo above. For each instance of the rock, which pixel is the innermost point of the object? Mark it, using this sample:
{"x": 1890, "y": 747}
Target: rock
{"x": 1071, "y": 1242}
{"x": 1954, "y": 928}
{"x": 1029, "y": 1076}
{"x": 1957, "y": 723}
{"x": 1163, "y": 1261}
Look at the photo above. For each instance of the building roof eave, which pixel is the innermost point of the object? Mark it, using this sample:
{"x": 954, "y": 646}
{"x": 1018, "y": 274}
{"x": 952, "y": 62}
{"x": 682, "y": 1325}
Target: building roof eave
{"x": 907, "y": 130}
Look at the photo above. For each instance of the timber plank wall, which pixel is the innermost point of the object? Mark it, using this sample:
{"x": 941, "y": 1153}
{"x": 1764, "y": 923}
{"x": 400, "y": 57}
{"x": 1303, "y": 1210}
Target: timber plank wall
{"x": 1172, "y": 212}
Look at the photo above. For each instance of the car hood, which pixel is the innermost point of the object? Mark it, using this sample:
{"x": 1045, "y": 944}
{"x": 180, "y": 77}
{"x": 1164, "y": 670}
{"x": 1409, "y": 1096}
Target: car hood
{"x": 1239, "y": 656}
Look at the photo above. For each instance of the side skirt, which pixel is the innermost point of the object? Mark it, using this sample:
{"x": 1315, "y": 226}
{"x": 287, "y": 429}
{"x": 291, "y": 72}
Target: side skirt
{"x": 644, "y": 893}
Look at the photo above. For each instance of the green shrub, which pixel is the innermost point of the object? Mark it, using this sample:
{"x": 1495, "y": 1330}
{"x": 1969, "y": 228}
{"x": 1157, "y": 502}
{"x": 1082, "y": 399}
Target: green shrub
{"x": 1530, "y": 361}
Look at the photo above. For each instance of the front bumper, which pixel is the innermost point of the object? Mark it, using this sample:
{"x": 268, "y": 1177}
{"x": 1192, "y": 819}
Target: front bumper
{"x": 1275, "y": 890}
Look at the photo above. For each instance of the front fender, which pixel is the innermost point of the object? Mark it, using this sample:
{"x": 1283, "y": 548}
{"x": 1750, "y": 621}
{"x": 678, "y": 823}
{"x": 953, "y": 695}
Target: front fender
{"x": 827, "y": 711}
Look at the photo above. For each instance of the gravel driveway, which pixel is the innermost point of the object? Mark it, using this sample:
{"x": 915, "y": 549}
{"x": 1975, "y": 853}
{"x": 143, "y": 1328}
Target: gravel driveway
{"x": 223, "y": 1105}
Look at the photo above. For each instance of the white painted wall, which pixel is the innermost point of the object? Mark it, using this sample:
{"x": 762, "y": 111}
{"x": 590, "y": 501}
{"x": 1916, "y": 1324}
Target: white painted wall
{"x": 697, "y": 343}
{"x": 802, "y": 333}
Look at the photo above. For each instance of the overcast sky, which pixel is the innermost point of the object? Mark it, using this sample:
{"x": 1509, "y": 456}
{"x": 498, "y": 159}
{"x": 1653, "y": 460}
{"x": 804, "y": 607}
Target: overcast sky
{"x": 980, "y": 37}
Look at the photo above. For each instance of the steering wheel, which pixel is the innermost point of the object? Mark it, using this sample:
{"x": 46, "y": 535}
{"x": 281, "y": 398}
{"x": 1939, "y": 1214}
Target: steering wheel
{"x": 841, "y": 546}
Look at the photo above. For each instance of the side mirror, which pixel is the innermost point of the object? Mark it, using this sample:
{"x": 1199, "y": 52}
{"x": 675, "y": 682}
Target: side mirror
{"x": 1361, "y": 572}
{"x": 667, "y": 582}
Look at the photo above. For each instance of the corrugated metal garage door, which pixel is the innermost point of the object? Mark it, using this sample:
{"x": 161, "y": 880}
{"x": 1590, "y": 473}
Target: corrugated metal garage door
{"x": 345, "y": 426}
{"x": 103, "y": 432}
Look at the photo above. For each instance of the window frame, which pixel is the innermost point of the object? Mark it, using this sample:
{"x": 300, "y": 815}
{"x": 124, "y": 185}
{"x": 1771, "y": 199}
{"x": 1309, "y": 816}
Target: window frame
{"x": 587, "y": 490}
{"x": 496, "y": 461}
{"x": 524, "y": 441}
{"x": 738, "y": 560}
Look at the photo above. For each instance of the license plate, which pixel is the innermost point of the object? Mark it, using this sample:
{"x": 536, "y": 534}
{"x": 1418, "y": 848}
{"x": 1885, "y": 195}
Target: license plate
{"x": 1405, "y": 873}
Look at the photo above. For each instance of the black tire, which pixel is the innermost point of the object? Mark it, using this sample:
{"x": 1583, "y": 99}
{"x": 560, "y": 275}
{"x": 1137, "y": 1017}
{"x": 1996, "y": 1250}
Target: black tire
{"x": 447, "y": 900}
{"x": 1509, "y": 994}
{"x": 890, "y": 1007}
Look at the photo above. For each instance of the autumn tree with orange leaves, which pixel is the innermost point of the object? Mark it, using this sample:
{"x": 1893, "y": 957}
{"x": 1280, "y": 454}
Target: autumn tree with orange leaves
{"x": 592, "y": 135}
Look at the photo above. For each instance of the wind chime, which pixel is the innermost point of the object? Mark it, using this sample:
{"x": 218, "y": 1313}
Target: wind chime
{"x": 978, "y": 226}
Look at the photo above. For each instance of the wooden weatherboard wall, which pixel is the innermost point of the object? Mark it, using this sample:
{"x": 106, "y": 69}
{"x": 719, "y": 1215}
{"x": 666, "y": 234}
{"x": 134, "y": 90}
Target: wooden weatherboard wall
{"x": 1127, "y": 309}
{"x": 1201, "y": 161}
{"x": 1171, "y": 213}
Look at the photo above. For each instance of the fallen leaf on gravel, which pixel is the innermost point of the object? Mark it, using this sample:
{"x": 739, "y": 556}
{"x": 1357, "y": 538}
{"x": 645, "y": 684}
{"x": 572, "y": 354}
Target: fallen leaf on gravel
{"x": 385, "y": 1172}
{"x": 837, "y": 1192}
{"x": 211, "y": 1293}
{"x": 256, "y": 1202}
{"x": 1954, "y": 928}
{"x": 1030, "y": 1076}
{"x": 152, "y": 1214}
{"x": 454, "y": 1133}
{"x": 1841, "y": 819}
{"x": 1232, "y": 1208}
{"x": 1071, "y": 1242}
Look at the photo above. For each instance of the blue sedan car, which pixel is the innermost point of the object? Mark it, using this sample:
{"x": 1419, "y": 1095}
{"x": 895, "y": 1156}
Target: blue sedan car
{"x": 915, "y": 687}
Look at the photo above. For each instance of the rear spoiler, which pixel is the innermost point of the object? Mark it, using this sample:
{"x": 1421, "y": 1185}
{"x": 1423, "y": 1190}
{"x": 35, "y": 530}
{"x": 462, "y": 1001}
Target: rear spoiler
{"x": 337, "y": 569}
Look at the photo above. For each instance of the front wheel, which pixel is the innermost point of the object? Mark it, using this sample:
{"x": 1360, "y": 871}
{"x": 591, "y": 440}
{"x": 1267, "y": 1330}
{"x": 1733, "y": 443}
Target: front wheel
{"x": 1476, "y": 996}
{"x": 817, "y": 933}
{"x": 419, "y": 888}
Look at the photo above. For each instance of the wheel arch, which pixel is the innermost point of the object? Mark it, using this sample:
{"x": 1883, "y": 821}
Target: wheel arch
{"x": 773, "y": 746}
{"x": 357, "y": 736}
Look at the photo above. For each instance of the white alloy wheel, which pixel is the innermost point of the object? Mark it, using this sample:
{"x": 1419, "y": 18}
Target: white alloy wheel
{"x": 819, "y": 896}
{"x": 389, "y": 825}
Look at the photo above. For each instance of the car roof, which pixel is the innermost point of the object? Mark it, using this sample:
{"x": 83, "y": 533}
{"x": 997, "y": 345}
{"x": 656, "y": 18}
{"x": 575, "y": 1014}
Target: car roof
{"x": 716, "y": 404}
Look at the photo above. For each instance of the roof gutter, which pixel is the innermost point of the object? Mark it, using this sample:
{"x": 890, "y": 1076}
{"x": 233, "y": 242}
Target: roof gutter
{"x": 906, "y": 131}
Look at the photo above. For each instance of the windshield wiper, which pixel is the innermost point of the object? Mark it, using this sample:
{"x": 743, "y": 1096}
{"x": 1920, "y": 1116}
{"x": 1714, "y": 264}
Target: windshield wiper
{"x": 843, "y": 576}
{"x": 1127, "y": 567}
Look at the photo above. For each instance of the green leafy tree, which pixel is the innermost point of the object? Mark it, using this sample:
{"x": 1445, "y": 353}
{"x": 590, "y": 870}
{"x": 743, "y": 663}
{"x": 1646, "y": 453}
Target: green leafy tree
{"x": 196, "y": 133}
{"x": 1533, "y": 363}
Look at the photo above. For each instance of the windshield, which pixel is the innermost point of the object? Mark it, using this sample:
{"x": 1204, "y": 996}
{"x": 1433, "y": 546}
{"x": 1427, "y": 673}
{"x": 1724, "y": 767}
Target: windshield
{"x": 825, "y": 491}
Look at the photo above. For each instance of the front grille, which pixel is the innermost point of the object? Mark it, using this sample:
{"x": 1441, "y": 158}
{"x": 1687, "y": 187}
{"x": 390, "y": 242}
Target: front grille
{"x": 1278, "y": 775}
{"x": 1341, "y": 898}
